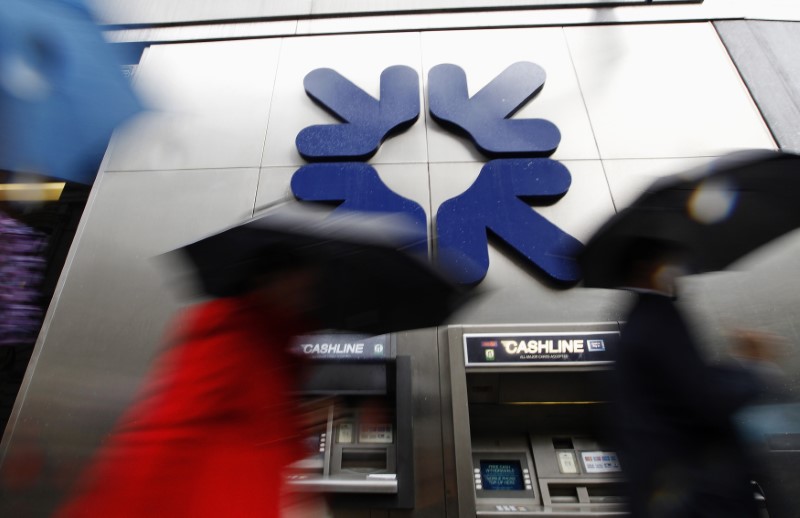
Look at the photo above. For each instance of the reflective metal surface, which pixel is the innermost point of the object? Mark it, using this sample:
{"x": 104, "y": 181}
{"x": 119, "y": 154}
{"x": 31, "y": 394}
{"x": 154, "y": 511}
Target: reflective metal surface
{"x": 204, "y": 32}
{"x": 361, "y": 59}
{"x": 174, "y": 11}
{"x": 209, "y": 27}
{"x": 763, "y": 52}
{"x": 422, "y": 346}
{"x": 210, "y": 105}
{"x": 483, "y": 55}
{"x": 108, "y": 318}
{"x": 661, "y": 91}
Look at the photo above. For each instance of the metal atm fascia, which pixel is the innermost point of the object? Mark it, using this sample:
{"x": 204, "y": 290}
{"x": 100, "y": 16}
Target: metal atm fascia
{"x": 372, "y": 468}
{"x": 471, "y": 441}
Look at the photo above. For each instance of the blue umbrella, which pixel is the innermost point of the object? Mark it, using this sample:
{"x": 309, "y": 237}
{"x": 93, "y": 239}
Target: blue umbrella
{"x": 62, "y": 91}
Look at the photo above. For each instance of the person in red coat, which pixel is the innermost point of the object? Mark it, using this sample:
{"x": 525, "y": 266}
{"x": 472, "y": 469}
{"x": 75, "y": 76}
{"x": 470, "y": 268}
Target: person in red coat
{"x": 217, "y": 424}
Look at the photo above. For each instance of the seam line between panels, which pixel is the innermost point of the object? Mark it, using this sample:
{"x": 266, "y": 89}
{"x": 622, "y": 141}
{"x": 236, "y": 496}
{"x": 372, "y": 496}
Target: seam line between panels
{"x": 266, "y": 129}
{"x": 424, "y": 110}
{"x": 589, "y": 118}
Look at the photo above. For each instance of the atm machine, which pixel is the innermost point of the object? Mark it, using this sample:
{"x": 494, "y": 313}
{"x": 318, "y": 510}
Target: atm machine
{"x": 527, "y": 401}
{"x": 358, "y": 400}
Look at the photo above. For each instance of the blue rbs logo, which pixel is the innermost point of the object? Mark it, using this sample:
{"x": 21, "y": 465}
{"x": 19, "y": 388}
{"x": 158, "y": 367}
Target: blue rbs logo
{"x": 517, "y": 176}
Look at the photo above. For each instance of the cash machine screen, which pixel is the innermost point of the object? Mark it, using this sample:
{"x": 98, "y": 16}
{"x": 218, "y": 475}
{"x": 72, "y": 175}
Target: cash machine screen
{"x": 501, "y": 475}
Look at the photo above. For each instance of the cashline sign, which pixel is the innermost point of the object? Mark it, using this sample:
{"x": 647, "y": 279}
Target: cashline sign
{"x": 540, "y": 348}
{"x": 344, "y": 347}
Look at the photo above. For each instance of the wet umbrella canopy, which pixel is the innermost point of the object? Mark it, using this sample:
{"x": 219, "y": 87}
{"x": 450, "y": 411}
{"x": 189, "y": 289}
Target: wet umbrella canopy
{"x": 368, "y": 281}
{"x": 716, "y": 214}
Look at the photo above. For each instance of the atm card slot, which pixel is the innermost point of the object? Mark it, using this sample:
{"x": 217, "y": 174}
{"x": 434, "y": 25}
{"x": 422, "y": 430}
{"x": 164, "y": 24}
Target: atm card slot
{"x": 563, "y": 494}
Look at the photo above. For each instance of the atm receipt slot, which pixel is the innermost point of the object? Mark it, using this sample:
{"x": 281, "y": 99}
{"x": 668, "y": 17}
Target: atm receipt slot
{"x": 345, "y": 433}
{"x": 566, "y": 462}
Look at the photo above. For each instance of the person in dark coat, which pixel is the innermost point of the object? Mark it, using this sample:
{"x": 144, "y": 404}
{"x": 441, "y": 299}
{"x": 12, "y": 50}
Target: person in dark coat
{"x": 217, "y": 423}
{"x": 678, "y": 445}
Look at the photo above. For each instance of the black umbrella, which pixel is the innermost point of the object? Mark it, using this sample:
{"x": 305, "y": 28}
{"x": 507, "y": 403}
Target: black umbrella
{"x": 369, "y": 281}
{"x": 716, "y": 214}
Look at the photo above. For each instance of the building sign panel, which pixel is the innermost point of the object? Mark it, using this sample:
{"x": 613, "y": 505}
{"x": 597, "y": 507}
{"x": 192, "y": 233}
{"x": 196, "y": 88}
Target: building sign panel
{"x": 540, "y": 348}
{"x": 344, "y": 347}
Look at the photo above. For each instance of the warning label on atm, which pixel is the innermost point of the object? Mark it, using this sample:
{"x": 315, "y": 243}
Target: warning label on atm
{"x": 540, "y": 348}
{"x": 600, "y": 462}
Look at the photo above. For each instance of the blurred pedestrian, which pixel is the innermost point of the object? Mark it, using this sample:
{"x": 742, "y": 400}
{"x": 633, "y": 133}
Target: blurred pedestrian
{"x": 678, "y": 445}
{"x": 22, "y": 266}
{"x": 217, "y": 423}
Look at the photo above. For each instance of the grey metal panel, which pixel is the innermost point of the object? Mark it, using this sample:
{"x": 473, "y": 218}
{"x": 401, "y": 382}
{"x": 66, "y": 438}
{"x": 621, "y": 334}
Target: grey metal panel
{"x": 500, "y": 14}
{"x": 766, "y": 55}
{"x": 361, "y": 59}
{"x": 185, "y": 11}
{"x": 273, "y": 186}
{"x": 107, "y": 319}
{"x": 483, "y": 54}
{"x": 219, "y": 31}
{"x": 462, "y": 438}
{"x": 449, "y": 432}
{"x": 663, "y": 91}
{"x": 210, "y": 105}
{"x": 422, "y": 346}
{"x": 321, "y": 7}
{"x": 211, "y": 30}
{"x": 126, "y": 12}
